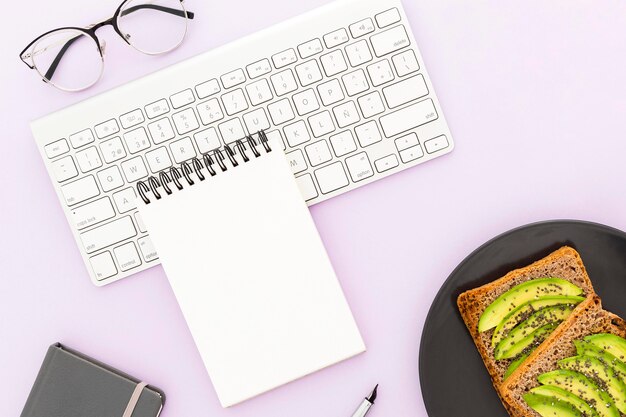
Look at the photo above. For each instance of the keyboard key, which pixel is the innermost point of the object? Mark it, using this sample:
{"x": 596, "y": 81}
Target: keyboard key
{"x": 210, "y": 111}
{"x": 64, "y": 168}
{"x": 371, "y": 104}
{"x": 284, "y": 82}
{"x": 81, "y": 138}
{"x": 386, "y": 163}
{"x": 259, "y": 92}
{"x": 158, "y": 159}
{"x": 207, "y": 88}
{"x": 408, "y": 118}
{"x": 161, "y": 130}
{"x": 388, "y": 17}
{"x": 318, "y": 153}
{"x": 156, "y": 109}
{"x": 56, "y": 148}
{"x": 103, "y": 265}
{"x": 358, "y": 53}
{"x": 125, "y": 200}
{"x": 307, "y": 187}
{"x": 335, "y": 38}
{"x": 132, "y": 118}
{"x": 296, "y": 133}
{"x": 110, "y": 178}
{"x": 207, "y": 140}
{"x": 333, "y": 63}
{"x": 281, "y": 112}
{"x": 88, "y": 159}
{"x": 359, "y": 167}
{"x": 80, "y": 190}
{"x": 390, "y": 41}
{"x": 321, "y": 123}
{"x": 362, "y": 28}
{"x": 234, "y": 102}
{"x": 259, "y": 68}
{"x": 436, "y": 144}
{"x": 233, "y": 78}
{"x": 284, "y": 58}
{"x": 405, "y": 63}
{"x": 331, "y": 178}
{"x": 93, "y": 213}
{"x": 147, "y": 249}
{"x": 368, "y": 134}
{"x": 355, "y": 82}
{"x": 256, "y": 120}
{"x": 182, "y": 150}
{"x": 308, "y": 73}
{"x": 231, "y": 131}
{"x": 108, "y": 234}
{"x": 380, "y": 72}
{"x": 306, "y": 102}
{"x": 127, "y": 256}
{"x": 107, "y": 128}
{"x": 346, "y": 114}
{"x": 296, "y": 161}
{"x": 406, "y": 141}
{"x": 330, "y": 92}
{"x": 134, "y": 169}
{"x": 140, "y": 224}
{"x": 310, "y": 48}
{"x": 343, "y": 143}
{"x": 182, "y": 99}
{"x": 112, "y": 150}
{"x": 411, "y": 154}
{"x": 136, "y": 140}
{"x": 405, "y": 91}
{"x": 185, "y": 121}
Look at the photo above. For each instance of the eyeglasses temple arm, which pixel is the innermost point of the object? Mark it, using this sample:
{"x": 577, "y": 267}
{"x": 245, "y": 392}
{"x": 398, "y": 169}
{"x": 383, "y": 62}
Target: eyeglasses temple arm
{"x": 57, "y": 59}
{"x": 169, "y": 10}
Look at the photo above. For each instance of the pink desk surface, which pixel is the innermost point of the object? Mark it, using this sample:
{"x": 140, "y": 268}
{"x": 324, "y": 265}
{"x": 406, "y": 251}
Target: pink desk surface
{"x": 535, "y": 94}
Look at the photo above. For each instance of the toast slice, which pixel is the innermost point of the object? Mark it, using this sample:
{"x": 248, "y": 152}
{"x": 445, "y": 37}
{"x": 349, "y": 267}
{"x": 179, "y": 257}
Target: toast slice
{"x": 563, "y": 263}
{"x": 583, "y": 322}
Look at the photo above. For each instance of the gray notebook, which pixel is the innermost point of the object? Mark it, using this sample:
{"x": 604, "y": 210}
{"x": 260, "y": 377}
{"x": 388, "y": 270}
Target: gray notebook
{"x": 70, "y": 384}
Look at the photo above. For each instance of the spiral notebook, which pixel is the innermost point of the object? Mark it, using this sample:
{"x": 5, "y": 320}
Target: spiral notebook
{"x": 248, "y": 268}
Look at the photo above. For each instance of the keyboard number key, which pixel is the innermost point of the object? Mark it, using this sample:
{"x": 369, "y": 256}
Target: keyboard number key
{"x": 103, "y": 265}
{"x": 331, "y": 177}
{"x": 359, "y": 167}
{"x": 137, "y": 140}
{"x": 234, "y": 102}
{"x": 112, "y": 150}
{"x": 161, "y": 130}
{"x": 308, "y": 73}
{"x": 185, "y": 121}
{"x": 64, "y": 168}
{"x": 259, "y": 92}
{"x": 88, "y": 159}
{"x": 210, "y": 111}
{"x": 284, "y": 82}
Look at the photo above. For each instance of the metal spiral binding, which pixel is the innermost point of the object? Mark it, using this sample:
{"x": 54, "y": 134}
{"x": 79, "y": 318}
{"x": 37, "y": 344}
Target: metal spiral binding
{"x": 209, "y": 162}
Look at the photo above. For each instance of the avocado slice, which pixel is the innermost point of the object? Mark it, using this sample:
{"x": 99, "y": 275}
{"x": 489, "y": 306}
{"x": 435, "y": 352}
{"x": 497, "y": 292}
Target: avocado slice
{"x": 550, "y": 406}
{"x": 615, "y": 345}
{"x": 562, "y": 395}
{"x": 584, "y": 347}
{"x": 519, "y": 313}
{"x": 595, "y": 368}
{"x": 554, "y": 314}
{"x": 527, "y": 291}
{"x": 535, "y": 337}
{"x": 583, "y": 387}
{"x": 515, "y": 364}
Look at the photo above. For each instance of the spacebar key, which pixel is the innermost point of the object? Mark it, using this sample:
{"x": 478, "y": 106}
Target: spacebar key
{"x": 408, "y": 118}
{"x": 108, "y": 234}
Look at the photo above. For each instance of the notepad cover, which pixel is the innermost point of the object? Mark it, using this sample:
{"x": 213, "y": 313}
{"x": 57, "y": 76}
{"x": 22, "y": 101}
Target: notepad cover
{"x": 252, "y": 278}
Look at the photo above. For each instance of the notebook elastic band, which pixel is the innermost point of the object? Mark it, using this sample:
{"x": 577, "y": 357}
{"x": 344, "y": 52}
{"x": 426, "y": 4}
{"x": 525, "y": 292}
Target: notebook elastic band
{"x": 132, "y": 403}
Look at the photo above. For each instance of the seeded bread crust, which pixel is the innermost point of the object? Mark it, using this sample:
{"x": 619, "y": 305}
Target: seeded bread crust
{"x": 563, "y": 263}
{"x": 590, "y": 320}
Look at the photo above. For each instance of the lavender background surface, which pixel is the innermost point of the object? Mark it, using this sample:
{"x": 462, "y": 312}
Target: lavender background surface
{"x": 535, "y": 95}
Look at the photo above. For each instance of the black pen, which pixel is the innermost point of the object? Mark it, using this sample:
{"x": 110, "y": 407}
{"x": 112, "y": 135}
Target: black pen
{"x": 367, "y": 403}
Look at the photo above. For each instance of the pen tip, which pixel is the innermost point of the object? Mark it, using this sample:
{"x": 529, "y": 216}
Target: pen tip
{"x": 372, "y": 396}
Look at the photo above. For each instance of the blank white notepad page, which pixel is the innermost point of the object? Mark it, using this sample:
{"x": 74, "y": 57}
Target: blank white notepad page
{"x": 252, "y": 278}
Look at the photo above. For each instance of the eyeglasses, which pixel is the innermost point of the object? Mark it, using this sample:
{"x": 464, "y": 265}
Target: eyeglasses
{"x": 72, "y": 58}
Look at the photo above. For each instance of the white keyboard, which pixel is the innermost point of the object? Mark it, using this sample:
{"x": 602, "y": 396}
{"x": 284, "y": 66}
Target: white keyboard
{"x": 343, "y": 86}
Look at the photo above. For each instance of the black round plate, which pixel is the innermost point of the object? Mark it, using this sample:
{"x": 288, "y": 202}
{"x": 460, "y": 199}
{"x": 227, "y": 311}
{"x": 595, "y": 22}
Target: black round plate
{"x": 454, "y": 380}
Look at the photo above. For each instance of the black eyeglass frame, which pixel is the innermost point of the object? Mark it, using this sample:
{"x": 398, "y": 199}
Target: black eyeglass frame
{"x": 90, "y": 31}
